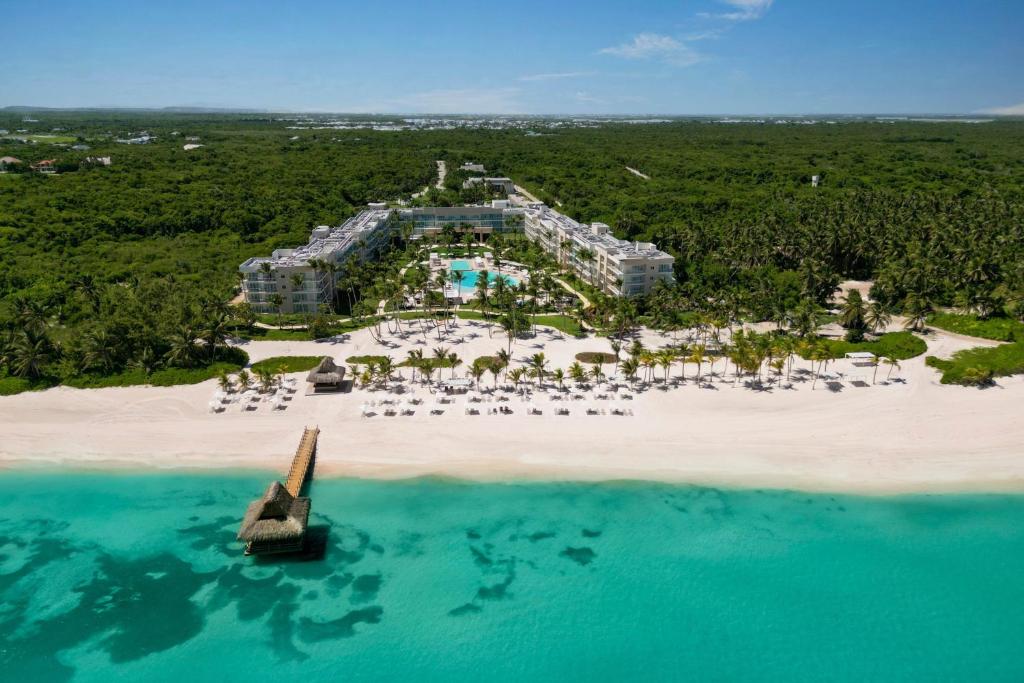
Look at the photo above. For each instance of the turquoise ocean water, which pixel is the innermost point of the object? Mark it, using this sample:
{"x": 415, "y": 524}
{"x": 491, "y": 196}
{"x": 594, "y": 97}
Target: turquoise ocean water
{"x": 138, "y": 578}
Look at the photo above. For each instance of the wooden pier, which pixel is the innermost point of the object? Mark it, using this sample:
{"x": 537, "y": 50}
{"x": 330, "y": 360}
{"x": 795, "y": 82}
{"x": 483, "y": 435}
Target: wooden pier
{"x": 276, "y": 523}
{"x": 302, "y": 463}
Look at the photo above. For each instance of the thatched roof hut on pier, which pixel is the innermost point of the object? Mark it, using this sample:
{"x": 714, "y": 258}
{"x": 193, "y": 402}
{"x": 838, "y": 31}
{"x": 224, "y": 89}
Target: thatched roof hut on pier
{"x": 327, "y": 376}
{"x": 275, "y": 523}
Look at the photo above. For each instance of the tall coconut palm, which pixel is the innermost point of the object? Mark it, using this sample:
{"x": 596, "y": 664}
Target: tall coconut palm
{"x": 504, "y": 359}
{"x": 577, "y": 373}
{"x": 495, "y": 369}
{"x": 697, "y": 357}
{"x": 893, "y": 365}
{"x": 558, "y": 374}
{"x": 877, "y": 317}
{"x": 454, "y": 361}
{"x": 476, "y": 371}
{"x": 215, "y": 333}
{"x": 616, "y": 346}
{"x": 414, "y": 360}
{"x": 277, "y": 301}
{"x": 32, "y": 352}
{"x": 538, "y": 363}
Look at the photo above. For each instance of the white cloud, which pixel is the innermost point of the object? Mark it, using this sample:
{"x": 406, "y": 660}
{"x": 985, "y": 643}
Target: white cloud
{"x": 555, "y": 76}
{"x": 1012, "y": 110}
{"x": 743, "y": 10}
{"x": 652, "y": 46}
{"x": 584, "y": 96}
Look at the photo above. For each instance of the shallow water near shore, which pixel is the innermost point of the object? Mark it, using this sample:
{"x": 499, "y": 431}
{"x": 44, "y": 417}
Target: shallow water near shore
{"x": 138, "y": 577}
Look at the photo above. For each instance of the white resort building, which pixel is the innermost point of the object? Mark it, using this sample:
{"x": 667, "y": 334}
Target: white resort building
{"x": 616, "y": 267}
{"x": 317, "y": 263}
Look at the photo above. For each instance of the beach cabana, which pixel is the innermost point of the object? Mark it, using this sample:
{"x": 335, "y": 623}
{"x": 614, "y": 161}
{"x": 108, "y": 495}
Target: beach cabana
{"x": 327, "y": 376}
{"x": 861, "y": 357}
{"x": 275, "y": 523}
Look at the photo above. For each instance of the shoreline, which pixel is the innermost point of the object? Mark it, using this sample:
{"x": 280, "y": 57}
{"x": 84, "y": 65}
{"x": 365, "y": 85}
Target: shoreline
{"x": 914, "y": 436}
{"x": 479, "y": 471}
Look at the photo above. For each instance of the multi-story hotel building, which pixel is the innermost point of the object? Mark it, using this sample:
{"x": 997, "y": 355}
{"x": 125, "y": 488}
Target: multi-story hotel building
{"x": 496, "y": 216}
{"x": 614, "y": 266}
{"x": 265, "y": 277}
{"x": 617, "y": 267}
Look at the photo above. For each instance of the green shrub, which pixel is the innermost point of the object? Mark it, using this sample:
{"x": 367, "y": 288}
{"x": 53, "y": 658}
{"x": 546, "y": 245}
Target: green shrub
{"x": 15, "y": 385}
{"x": 287, "y": 364}
{"x": 898, "y": 345}
{"x": 591, "y": 357}
{"x": 980, "y": 365}
{"x": 998, "y": 329}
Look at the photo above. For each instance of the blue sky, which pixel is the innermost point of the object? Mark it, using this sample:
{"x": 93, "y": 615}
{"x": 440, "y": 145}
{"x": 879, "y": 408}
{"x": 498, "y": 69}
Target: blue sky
{"x": 552, "y": 57}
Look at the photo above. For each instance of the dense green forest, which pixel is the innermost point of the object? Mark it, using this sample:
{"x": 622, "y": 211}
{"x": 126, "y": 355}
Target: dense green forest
{"x": 934, "y": 212}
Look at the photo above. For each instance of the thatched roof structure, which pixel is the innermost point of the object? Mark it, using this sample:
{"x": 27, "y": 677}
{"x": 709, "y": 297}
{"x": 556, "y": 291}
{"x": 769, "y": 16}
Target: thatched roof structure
{"x": 326, "y": 373}
{"x": 276, "y": 519}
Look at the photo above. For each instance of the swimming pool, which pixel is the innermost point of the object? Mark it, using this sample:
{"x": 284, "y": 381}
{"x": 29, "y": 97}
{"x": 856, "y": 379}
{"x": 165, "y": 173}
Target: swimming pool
{"x": 461, "y": 265}
{"x": 469, "y": 278}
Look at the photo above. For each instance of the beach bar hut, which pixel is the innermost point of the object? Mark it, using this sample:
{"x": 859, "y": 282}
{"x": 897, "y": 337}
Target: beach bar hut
{"x": 327, "y": 376}
{"x": 275, "y": 523}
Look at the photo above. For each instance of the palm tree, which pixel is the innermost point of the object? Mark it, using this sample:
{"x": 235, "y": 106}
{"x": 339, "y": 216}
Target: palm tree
{"x": 266, "y": 379}
{"x": 148, "y": 360}
{"x": 893, "y": 365}
{"x": 597, "y": 373}
{"x": 697, "y": 357}
{"x": 559, "y": 376}
{"x": 852, "y": 313}
{"x": 538, "y": 364}
{"x": 224, "y": 382}
{"x": 577, "y": 373}
{"x": 665, "y": 358}
{"x": 183, "y": 348}
{"x": 495, "y": 370}
{"x": 277, "y": 301}
{"x": 516, "y": 375}
{"x": 32, "y": 352}
{"x": 630, "y": 366}
{"x": 682, "y": 355}
{"x": 504, "y": 359}
{"x": 916, "y": 308}
{"x": 877, "y": 317}
{"x": 415, "y": 360}
{"x": 244, "y": 381}
{"x": 215, "y": 333}
{"x": 617, "y": 350}
{"x": 385, "y": 368}
{"x": 476, "y": 371}
{"x": 454, "y": 361}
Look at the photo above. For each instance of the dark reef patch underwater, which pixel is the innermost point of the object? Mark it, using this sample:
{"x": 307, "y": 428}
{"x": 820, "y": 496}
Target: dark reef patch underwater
{"x": 138, "y": 577}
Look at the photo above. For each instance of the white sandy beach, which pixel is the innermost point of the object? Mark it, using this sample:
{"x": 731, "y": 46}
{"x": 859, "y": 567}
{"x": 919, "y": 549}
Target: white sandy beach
{"x": 913, "y": 435}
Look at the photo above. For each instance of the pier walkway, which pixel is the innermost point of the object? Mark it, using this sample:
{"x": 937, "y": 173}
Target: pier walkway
{"x": 302, "y": 463}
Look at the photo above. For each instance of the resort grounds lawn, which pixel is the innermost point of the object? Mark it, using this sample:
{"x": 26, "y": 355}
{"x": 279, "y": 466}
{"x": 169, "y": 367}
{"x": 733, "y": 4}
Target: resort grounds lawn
{"x": 263, "y": 334}
{"x": 277, "y": 364}
{"x": 563, "y": 323}
{"x": 996, "y": 328}
{"x": 980, "y": 365}
{"x": 897, "y": 345}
